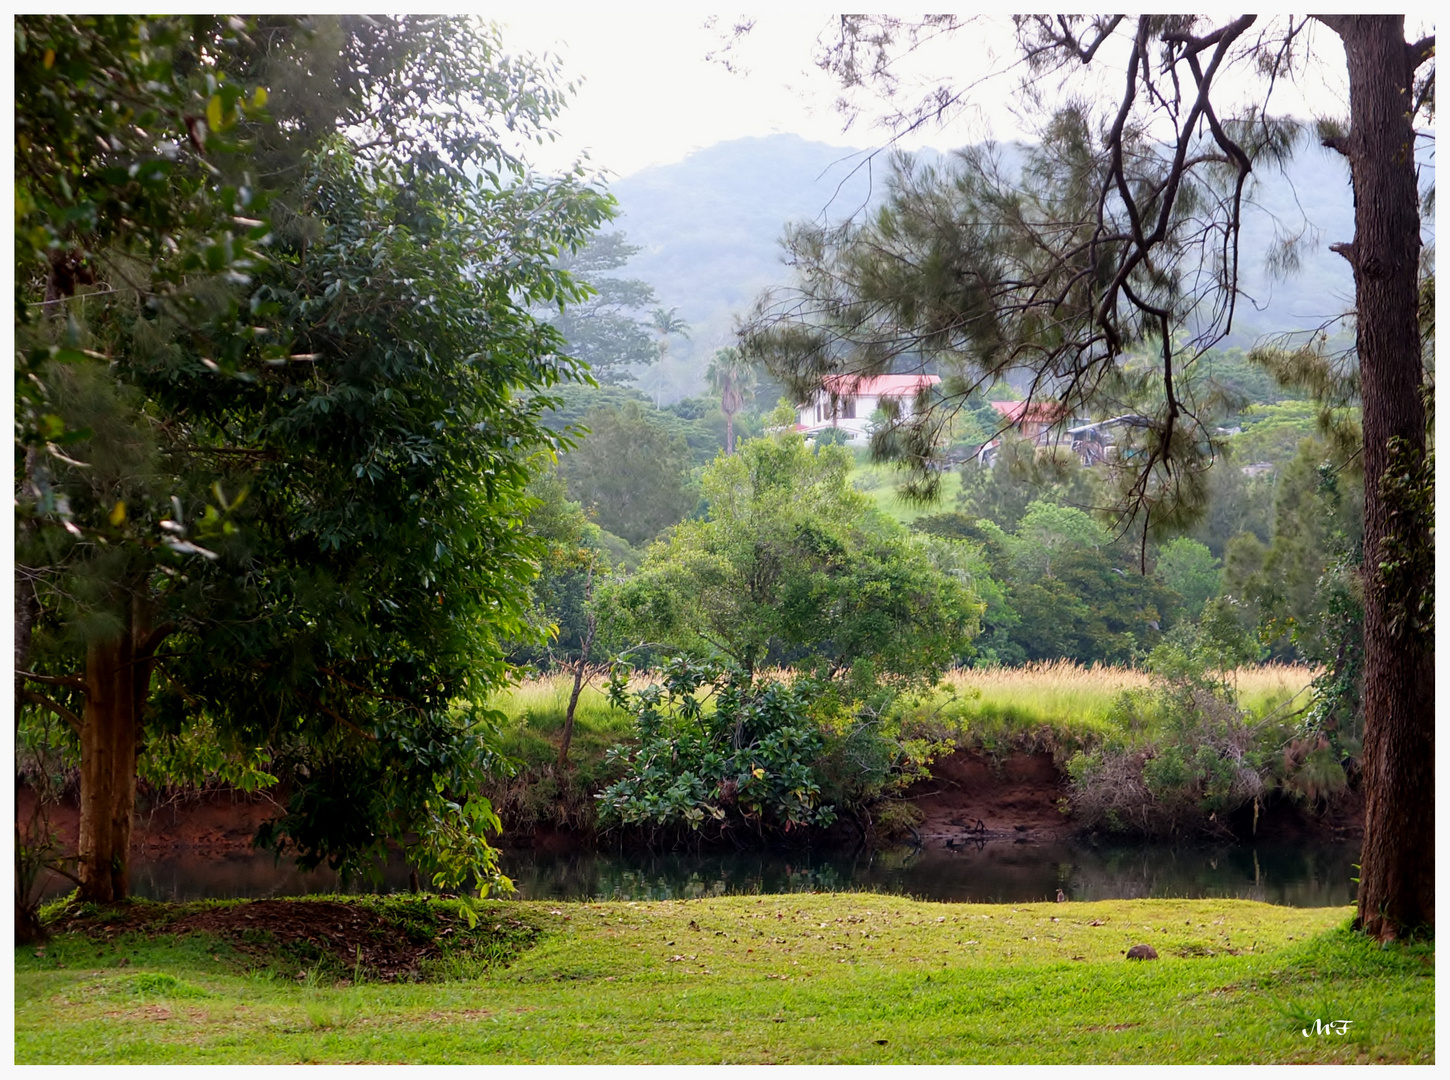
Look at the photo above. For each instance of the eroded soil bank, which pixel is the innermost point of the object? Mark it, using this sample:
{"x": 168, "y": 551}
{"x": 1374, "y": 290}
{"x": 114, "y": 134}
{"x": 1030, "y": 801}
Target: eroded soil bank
{"x": 970, "y": 798}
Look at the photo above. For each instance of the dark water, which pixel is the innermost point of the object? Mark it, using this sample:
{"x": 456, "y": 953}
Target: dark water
{"x": 1299, "y": 875}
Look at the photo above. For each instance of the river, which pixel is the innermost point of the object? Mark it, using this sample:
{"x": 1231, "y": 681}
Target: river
{"x": 1296, "y": 875}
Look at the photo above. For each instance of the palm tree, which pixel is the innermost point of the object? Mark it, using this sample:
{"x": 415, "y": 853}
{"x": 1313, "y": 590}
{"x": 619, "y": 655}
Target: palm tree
{"x": 734, "y": 379}
{"x": 665, "y": 324}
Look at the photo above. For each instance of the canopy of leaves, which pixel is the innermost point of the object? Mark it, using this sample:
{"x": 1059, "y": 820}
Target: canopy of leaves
{"x": 790, "y": 564}
{"x": 630, "y": 472}
{"x": 1189, "y": 569}
{"x": 322, "y": 515}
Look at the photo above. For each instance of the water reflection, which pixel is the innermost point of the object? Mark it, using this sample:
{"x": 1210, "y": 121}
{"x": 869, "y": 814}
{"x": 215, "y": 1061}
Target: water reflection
{"x": 1298, "y": 875}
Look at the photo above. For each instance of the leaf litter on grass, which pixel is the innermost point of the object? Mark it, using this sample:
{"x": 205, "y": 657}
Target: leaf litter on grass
{"x": 385, "y": 939}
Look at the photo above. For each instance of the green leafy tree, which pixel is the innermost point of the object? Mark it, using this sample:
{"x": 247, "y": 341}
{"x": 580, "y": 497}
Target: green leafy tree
{"x": 1317, "y": 524}
{"x": 1237, "y": 503}
{"x": 1020, "y": 475}
{"x": 1272, "y": 433}
{"x": 603, "y": 330}
{"x": 983, "y": 547}
{"x": 309, "y": 538}
{"x": 1093, "y": 608}
{"x": 790, "y": 563}
{"x": 1188, "y": 568}
{"x": 630, "y": 472}
{"x": 692, "y": 419}
{"x": 1047, "y": 530}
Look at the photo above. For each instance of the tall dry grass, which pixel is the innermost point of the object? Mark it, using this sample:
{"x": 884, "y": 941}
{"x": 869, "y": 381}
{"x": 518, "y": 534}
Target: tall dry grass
{"x": 1058, "y": 702}
{"x": 1068, "y": 703}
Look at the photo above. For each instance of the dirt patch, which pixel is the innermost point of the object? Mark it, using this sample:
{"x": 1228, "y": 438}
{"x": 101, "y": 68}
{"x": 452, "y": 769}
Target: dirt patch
{"x": 971, "y": 797}
{"x": 390, "y": 940}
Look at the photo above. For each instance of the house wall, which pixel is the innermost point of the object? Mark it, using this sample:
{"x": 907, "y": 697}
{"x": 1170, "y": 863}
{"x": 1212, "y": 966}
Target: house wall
{"x": 817, "y": 416}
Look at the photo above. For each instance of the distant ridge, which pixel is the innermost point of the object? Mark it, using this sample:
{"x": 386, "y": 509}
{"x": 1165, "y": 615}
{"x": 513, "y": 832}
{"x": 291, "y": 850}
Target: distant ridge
{"x": 710, "y": 227}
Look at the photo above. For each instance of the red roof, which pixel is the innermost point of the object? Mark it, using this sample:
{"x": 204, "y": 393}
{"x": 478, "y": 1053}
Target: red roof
{"x": 1044, "y": 412}
{"x": 877, "y": 385}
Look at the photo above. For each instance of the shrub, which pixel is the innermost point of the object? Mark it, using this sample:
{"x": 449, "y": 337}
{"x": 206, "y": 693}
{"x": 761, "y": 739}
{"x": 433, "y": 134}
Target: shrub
{"x": 748, "y": 762}
{"x": 1199, "y": 761}
{"x": 719, "y": 754}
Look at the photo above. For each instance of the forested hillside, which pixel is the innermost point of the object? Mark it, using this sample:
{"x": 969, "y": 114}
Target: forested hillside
{"x": 709, "y": 230}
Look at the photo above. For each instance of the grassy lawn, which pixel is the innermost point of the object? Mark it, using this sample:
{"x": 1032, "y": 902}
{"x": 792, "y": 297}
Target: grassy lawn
{"x": 881, "y": 482}
{"x": 839, "y": 978}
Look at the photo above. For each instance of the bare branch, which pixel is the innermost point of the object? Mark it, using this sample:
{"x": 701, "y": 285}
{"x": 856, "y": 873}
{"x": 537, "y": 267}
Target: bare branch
{"x": 1421, "y": 51}
{"x": 72, "y": 681}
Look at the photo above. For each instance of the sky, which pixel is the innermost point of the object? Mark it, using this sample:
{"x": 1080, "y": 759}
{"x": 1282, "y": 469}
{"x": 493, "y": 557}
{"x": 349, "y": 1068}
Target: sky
{"x": 649, "y": 95}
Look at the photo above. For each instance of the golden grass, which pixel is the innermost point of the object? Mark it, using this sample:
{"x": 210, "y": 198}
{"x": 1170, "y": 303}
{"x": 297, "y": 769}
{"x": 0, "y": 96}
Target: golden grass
{"x": 1073, "y": 700}
{"x": 975, "y": 705}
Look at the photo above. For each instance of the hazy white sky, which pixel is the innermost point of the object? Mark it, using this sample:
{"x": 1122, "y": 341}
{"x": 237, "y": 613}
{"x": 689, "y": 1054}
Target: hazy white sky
{"x": 648, "y": 94}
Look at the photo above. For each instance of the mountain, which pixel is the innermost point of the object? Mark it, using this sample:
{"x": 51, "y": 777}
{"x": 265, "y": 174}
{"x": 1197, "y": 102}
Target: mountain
{"x": 710, "y": 228}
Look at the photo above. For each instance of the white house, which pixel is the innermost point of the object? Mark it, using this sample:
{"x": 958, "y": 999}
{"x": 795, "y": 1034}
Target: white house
{"x": 847, "y": 402}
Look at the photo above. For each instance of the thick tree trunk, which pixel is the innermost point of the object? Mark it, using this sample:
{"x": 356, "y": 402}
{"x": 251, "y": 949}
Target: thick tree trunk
{"x": 1397, "y": 875}
{"x": 118, "y": 678}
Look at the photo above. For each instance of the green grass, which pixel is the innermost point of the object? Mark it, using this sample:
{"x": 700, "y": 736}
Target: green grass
{"x": 880, "y": 483}
{"x": 535, "y": 711}
{"x": 841, "y": 978}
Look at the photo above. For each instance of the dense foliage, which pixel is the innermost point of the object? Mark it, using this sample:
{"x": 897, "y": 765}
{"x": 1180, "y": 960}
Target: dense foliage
{"x": 790, "y": 566}
{"x": 719, "y": 755}
{"x": 305, "y": 532}
{"x": 632, "y": 475}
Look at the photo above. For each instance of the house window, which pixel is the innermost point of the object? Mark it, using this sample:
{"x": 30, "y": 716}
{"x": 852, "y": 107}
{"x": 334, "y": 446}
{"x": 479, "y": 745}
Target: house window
{"x": 848, "y": 408}
{"x": 818, "y": 413}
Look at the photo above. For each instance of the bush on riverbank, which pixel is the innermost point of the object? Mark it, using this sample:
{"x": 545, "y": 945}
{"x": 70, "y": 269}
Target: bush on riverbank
{"x": 718, "y": 755}
{"x": 1104, "y": 726}
{"x": 1186, "y": 756}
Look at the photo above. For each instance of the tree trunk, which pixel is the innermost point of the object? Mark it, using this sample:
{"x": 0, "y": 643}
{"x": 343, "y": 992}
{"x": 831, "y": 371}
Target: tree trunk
{"x": 1397, "y": 875}
{"x": 118, "y": 678}
{"x": 590, "y": 623}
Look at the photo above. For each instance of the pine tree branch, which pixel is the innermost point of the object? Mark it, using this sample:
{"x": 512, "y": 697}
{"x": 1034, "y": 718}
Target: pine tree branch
{"x": 54, "y": 706}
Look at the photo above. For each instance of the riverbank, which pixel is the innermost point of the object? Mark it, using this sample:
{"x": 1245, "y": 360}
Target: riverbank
{"x": 844, "y": 978}
{"x": 1017, "y": 798}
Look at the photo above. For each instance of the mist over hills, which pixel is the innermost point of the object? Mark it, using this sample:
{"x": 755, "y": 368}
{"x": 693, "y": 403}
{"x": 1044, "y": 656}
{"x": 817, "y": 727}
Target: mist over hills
{"x": 710, "y": 225}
